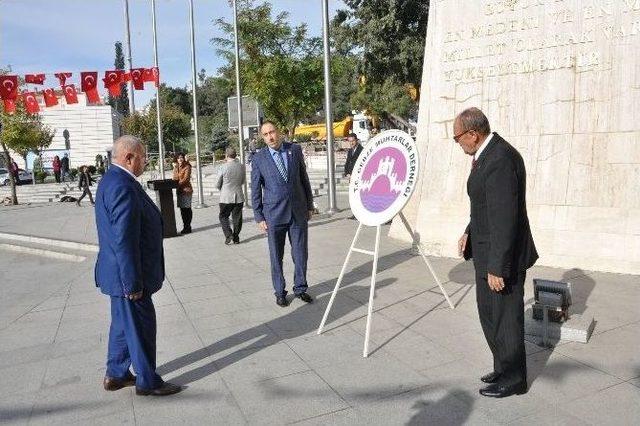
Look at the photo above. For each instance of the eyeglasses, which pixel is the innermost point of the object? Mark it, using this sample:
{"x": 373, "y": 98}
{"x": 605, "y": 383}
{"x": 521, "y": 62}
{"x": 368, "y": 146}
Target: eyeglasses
{"x": 457, "y": 137}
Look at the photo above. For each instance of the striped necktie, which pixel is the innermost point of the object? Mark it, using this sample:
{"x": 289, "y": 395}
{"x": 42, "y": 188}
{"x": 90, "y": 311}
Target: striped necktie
{"x": 280, "y": 165}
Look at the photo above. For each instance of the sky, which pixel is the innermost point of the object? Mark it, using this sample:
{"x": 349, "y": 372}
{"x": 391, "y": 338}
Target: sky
{"x": 48, "y": 36}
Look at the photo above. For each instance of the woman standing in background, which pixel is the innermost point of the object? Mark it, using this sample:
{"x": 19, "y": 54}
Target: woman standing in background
{"x": 182, "y": 174}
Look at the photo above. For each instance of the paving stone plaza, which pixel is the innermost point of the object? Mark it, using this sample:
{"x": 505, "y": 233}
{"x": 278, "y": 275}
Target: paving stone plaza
{"x": 245, "y": 360}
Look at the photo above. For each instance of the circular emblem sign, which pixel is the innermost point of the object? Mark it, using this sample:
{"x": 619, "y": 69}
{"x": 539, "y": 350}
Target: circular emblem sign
{"x": 383, "y": 177}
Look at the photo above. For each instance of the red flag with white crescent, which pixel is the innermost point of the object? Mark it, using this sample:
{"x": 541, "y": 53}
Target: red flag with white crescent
{"x": 63, "y": 76}
{"x": 152, "y": 75}
{"x": 8, "y": 87}
{"x": 9, "y": 106}
{"x": 30, "y": 102}
{"x": 34, "y": 78}
{"x": 137, "y": 76}
{"x": 70, "y": 94}
{"x": 50, "y": 98}
{"x": 89, "y": 85}
{"x": 113, "y": 81}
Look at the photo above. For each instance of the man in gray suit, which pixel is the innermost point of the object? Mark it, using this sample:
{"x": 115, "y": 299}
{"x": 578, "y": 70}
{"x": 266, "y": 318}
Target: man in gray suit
{"x": 231, "y": 177}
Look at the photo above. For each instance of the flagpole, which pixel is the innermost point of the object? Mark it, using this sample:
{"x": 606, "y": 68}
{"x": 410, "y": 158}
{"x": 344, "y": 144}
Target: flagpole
{"x": 239, "y": 96}
{"x": 132, "y": 104}
{"x": 195, "y": 108}
{"x": 328, "y": 111}
{"x": 155, "y": 60}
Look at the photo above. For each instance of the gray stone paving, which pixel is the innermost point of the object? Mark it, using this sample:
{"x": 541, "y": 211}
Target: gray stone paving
{"x": 247, "y": 361}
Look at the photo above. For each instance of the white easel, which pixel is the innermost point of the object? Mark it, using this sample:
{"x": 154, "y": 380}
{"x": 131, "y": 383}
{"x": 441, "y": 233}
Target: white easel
{"x": 374, "y": 270}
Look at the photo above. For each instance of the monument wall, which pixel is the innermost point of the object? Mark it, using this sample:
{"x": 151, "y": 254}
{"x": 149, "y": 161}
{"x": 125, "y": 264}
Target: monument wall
{"x": 559, "y": 80}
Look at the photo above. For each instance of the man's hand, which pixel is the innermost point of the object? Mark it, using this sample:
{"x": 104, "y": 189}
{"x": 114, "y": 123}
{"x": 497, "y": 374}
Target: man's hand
{"x": 495, "y": 283}
{"x": 135, "y": 296}
{"x": 263, "y": 226}
{"x": 309, "y": 214}
{"x": 462, "y": 244}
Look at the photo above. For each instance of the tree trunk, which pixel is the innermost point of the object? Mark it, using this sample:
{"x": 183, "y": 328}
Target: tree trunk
{"x": 14, "y": 194}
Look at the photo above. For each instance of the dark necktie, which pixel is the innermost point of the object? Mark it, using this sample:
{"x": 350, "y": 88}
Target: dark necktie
{"x": 473, "y": 163}
{"x": 280, "y": 165}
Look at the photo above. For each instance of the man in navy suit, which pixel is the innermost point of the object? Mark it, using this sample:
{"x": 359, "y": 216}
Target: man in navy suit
{"x": 282, "y": 204}
{"x": 129, "y": 269}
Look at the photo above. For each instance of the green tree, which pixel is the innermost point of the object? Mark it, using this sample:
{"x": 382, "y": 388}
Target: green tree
{"x": 281, "y": 65}
{"x": 388, "y": 37}
{"x": 176, "y": 126}
{"x": 23, "y": 133}
{"x": 121, "y": 103}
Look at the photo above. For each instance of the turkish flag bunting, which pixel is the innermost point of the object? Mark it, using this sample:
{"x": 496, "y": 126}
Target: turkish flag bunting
{"x": 9, "y": 106}
{"x": 113, "y": 81}
{"x": 152, "y": 75}
{"x": 50, "y": 98}
{"x": 70, "y": 94}
{"x": 89, "y": 84}
{"x": 63, "y": 76}
{"x": 126, "y": 77}
{"x": 8, "y": 87}
{"x": 137, "y": 76}
{"x": 34, "y": 78}
{"x": 30, "y": 102}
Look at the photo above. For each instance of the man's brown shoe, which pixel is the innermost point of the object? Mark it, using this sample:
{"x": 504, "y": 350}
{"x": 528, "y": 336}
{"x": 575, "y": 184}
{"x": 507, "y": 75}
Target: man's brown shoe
{"x": 164, "y": 390}
{"x": 113, "y": 384}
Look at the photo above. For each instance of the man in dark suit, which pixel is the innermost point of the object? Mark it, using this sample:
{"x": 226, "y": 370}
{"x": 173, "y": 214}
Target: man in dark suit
{"x": 352, "y": 155}
{"x": 282, "y": 204}
{"x": 129, "y": 269}
{"x": 499, "y": 240}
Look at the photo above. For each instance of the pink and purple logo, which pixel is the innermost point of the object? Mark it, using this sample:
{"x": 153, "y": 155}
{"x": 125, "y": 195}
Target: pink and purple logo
{"x": 383, "y": 179}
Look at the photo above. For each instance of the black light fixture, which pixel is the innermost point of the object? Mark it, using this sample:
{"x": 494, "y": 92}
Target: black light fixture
{"x": 552, "y": 301}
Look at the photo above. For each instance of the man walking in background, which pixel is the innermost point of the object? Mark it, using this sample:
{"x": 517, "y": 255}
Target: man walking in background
{"x": 129, "y": 269}
{"x": 283, "y": 204}
{"x": 499, "y": 239}
{"x": 231, "y": 178}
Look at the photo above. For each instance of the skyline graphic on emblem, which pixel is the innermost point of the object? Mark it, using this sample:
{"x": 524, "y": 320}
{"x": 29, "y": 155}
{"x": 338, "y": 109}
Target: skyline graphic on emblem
{"x": 383, "y": 179}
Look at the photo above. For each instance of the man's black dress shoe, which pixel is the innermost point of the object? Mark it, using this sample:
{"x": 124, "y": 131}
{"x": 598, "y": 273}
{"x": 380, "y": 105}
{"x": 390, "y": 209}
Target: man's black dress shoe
{"x": 496, "y": 390}
{"x": 113, "y": 384}
{"x": 164, "y": 390}
{"x": 236, "y": 240}
{"x": 282, "y": 301}
{"x": 228, "y": 240}
{"x": 304, "y": 297}
{"x": 491, "y": 377}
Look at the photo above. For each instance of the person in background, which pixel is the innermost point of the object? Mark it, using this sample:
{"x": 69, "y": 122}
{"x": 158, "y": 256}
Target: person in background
{"x": 64, "y": 167}
{"x": 352, "y": 155}
{"x": 231, "y": 177}
{"x": 15, "y": 171}
{"x": 57, "y": 166}
{"x": 84, "y": 183}
{"x": 182, "y": 174}
{"x": 253, "y": 147}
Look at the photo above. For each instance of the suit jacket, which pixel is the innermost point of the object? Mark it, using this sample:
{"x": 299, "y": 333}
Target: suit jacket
{"x": 352, "y": 156}
{"x": 131, "y": 256}
{"x": 231, "y": 177}
{"x": 275, "y": 200}
{"x": 500, "y": 239}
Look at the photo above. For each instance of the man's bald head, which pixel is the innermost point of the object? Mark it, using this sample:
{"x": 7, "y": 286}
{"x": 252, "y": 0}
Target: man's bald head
{"x": 129, "y": 152}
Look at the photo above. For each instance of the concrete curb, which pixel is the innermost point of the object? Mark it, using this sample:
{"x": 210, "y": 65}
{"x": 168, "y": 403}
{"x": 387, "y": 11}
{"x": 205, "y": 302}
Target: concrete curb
{"x": 73, "y": 245}
{"x": 43, "y": 252}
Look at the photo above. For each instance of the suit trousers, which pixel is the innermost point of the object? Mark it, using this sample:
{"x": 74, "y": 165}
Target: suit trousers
{"x": 132, "y": 340}
{"x": 502, "y": 319}
{"x": 235, "y": 211}
{"x": 298, "y": 238}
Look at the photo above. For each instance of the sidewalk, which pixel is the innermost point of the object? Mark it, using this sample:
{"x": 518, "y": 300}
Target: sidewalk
{"x": 247, "y": 361}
